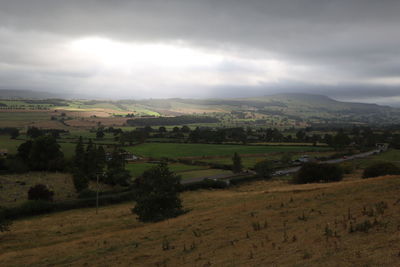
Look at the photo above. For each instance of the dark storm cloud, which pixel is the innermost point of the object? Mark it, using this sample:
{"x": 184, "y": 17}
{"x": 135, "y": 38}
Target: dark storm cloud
{"x": 350, "y": 43}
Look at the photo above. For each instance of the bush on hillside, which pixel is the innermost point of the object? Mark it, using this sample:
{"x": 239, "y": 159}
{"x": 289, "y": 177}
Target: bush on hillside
{"x": 40, "y": 192}
{"x": 315, "y": 172}
{"x": 381, "y": 168}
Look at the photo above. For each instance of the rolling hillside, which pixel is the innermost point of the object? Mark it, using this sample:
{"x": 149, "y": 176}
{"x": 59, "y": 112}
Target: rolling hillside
{"x": 350, "y": 223}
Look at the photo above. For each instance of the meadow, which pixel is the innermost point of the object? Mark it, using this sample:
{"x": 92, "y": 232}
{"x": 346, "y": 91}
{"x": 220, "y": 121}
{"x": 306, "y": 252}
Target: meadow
{"x": 179, "y": 150}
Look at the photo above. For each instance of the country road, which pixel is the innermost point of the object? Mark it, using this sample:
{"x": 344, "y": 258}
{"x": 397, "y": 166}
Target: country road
{"x": 278, "y": 172}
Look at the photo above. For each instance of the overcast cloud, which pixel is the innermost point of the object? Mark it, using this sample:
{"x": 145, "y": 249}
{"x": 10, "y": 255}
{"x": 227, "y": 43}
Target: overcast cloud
{"x": 349, "y": 50}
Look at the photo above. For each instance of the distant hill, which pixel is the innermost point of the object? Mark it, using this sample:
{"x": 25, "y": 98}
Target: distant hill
{"x": 26, "y": 94}
{"x": 296, "y": 107}
{"x": 316, "y": 108}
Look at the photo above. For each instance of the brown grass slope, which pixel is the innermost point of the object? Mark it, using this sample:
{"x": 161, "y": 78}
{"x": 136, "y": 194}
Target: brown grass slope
{"x": 351, "y": 223}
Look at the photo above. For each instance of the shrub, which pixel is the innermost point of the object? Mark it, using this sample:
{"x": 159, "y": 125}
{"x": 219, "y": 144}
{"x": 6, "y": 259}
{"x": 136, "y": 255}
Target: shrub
{"x": 381, "y": 168}
{"x": 236, "y": 163}
{"x": 40, "y": 192}
{"x": 314, "y": 172}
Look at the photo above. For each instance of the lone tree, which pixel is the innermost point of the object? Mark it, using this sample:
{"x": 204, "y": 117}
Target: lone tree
{"x": 157, "y": 194}
{"x": 237, "y": 163}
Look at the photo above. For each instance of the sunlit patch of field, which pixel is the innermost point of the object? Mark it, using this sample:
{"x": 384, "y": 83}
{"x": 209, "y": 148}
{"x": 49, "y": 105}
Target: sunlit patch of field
{"x": 250, "y": 225}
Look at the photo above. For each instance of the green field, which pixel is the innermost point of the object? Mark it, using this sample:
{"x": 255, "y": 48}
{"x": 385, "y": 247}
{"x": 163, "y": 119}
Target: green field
{"x": 136, "y": 169}
{"x": 174, "y": 150}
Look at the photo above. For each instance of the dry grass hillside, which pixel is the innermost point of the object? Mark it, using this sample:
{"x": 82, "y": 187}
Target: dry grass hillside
{"x": 350, "y": 223}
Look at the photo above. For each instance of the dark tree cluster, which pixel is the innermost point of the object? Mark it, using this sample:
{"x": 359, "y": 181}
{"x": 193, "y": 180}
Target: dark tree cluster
{"x": 318, "y": 172}
{"x": 13, "y": 132}
{"x": 34, "y": 132}
{"x": 91, "y": 163}
{"x": 87, "y": 163}
{"x": 40, "y": 154}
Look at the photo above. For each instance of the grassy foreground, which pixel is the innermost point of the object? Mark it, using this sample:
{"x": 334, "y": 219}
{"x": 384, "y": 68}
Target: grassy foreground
{"x": 260, "y": 224}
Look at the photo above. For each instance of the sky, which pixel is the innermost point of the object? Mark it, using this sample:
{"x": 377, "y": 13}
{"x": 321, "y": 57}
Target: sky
{"x": 349, "y": 50}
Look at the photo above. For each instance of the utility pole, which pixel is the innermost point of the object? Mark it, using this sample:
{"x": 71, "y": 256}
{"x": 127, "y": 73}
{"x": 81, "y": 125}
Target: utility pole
{"x": 98, "y": 189}
{"x": 97, "y": 194}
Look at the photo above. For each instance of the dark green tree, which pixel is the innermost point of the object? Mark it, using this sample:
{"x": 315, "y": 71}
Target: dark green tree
{"x": 340, "y": 140}
{"x": 24, "y": 150}
{"x": 237, "y": 163}
{"x": 185, "y": 129}
{"x": 80, "y": 179}
{"x": 45, "y": 154}
{"x": 300, "y": 135}
{"x": 79, "y": 158}
{"x": 100, "y": 159}
{"x": 100, "y": 134}
{"x": 14, "y": 133}
{"x": 34, "y": 132}
{"x": 116, "y": 172}
{"x": 286, "y": 158}
{"x": 157, "y": 194}
{"x": 90, "y": 160}
{"x": 263, "y": 169}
